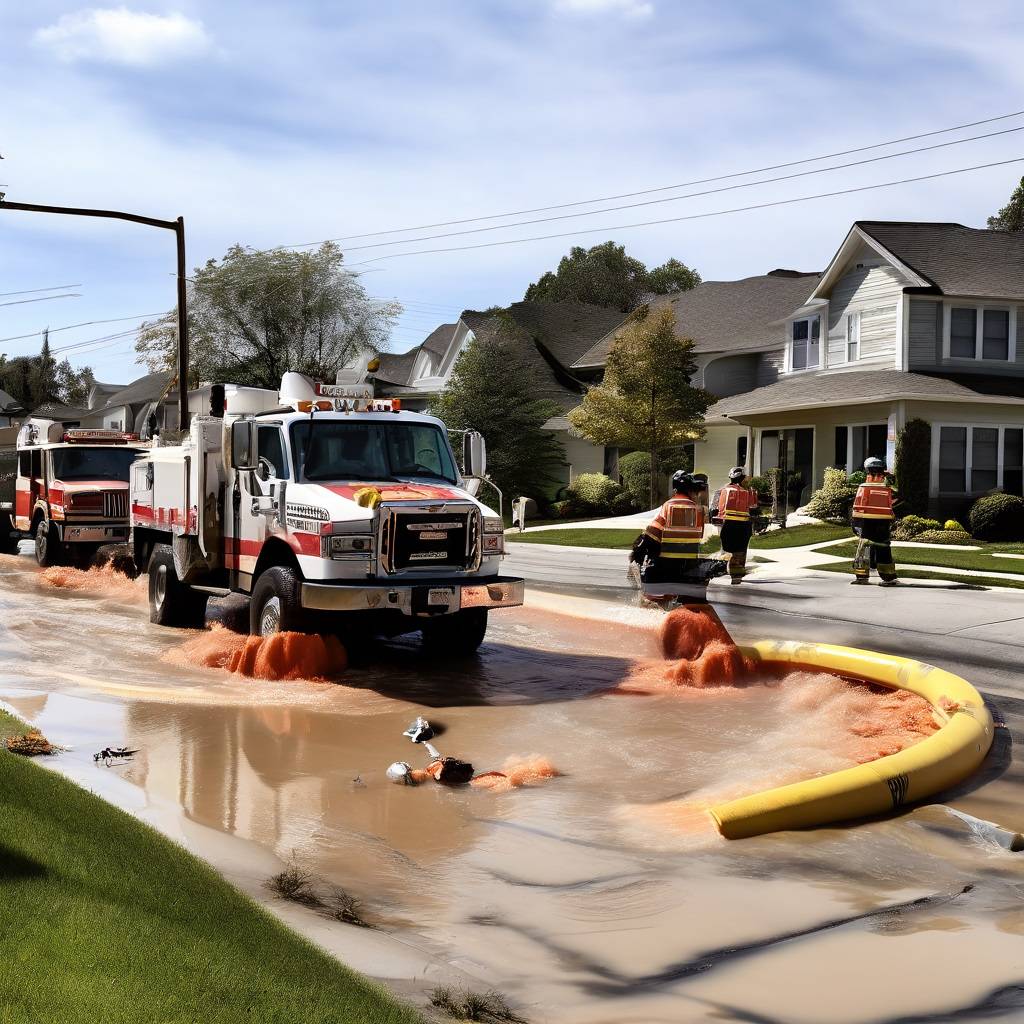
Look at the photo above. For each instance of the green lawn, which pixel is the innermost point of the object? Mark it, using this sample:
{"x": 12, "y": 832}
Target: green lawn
{"x": 938, "y": 554}
{"x": 920, "y": 574}
{"x": 103, "y": 919}
{"x": 795, "y": 536}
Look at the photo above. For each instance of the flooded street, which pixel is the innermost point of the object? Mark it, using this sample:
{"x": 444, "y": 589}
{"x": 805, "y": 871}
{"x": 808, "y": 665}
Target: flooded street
{"x": 602, "y": 895}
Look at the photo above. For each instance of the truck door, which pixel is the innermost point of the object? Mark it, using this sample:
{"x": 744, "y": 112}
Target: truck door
{"x": 254, "y": 527}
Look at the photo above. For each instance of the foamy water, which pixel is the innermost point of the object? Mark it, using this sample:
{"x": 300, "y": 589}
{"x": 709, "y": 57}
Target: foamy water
{"x": 100, "y": 580}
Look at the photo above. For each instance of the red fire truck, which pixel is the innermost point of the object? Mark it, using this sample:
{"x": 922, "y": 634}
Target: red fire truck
{"x": 65, "y": 488}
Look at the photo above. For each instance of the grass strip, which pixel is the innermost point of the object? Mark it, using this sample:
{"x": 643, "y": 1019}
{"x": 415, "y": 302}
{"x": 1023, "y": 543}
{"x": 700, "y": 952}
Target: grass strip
{"x": 981, "y": 561}
{"x": 104, "y": 919}
{"x": 617, "y": 539}
{"x": 920, "y": 574}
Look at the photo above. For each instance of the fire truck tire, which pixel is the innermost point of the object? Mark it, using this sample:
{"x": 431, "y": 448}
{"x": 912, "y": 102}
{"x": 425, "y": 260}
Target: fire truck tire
{"x": 8, "y": 538}
{"x": 458, "y": 634}
{"x": 49, "y": 550}
{"x": 276, "y": 603}
{"x": 171, "y": 602}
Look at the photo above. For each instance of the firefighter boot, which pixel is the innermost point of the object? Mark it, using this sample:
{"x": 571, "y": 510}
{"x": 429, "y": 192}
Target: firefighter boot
{"x": 861, "y": 563}
{"x": 737, "y": 567}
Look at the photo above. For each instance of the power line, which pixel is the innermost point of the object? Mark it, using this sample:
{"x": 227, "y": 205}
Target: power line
{"x": 45, "y": 298}
{"x": 84, "y": 323}
{"x": 698, "y": 216}
{"x": 670, "y": 188}
{"x": 31, "y": 291}
{"x": 687, "y": 195}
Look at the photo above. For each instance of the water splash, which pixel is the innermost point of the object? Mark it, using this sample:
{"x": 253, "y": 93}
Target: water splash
{"x": 280, "y": 656}
{"x": 516, "y": 773}
{"x": 102, "y": 580}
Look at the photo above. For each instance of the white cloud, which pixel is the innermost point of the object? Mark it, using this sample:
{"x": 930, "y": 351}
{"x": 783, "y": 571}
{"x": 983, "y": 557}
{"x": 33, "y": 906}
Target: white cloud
{"x": 117, "y": 35}
{"x": 629, "y": 8}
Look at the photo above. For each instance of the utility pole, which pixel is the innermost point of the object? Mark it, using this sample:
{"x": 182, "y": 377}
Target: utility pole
{"x": 178, "y": 227}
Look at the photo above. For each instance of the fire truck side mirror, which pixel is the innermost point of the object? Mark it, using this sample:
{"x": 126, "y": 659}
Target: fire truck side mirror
{"x": 474, "y": 454}
{"x": 244, "y": 454}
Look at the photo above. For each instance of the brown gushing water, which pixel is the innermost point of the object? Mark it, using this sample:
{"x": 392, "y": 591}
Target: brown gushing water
{"x": 571, "y": 897}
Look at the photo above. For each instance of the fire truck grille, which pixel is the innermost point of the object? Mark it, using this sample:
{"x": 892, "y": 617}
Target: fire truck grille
{"x": 423, "y": 539}
{"x": 115, "y": 504}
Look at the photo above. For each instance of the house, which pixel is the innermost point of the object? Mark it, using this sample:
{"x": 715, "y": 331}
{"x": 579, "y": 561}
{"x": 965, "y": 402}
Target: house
{"x": 738, "y": 333}
{"x": 551, "y": 336}
{"x": 908, "y": 320}
{"x": 10, "y": 409}
{"x": 130, "y": 407}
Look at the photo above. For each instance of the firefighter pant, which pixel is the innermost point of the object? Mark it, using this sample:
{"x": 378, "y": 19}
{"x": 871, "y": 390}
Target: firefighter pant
{"x": 875, "y": 552}
{"x": 735, "y": 538}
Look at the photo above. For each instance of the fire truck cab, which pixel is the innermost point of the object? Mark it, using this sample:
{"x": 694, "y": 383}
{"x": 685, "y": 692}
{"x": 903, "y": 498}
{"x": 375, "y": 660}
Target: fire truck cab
{"x": 328, "y": 509}
{"x": 67, "y": 489}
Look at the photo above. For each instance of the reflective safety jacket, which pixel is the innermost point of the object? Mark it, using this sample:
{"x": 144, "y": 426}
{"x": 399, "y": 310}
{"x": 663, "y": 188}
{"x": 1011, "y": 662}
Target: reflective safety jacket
{"x": 873, "y": 501}
{"x": 678, "y": 528}
{"x": 737, "y": 504}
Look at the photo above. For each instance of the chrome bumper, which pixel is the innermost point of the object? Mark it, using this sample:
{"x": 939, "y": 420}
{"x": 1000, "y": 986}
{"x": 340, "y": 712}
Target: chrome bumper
{"x": 429, "y": 598}
{"x": 92, "y": 533}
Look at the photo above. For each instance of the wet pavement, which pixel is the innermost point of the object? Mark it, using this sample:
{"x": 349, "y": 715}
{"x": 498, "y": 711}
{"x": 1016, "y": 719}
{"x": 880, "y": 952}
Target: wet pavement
{"x": 599, "y": 896}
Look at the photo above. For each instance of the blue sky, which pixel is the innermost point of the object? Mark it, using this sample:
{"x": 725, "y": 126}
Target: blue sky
{"x": 272, "y": 124}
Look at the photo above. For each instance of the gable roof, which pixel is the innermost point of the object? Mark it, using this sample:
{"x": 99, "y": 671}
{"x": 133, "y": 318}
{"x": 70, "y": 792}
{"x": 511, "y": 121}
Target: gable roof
{"x": 566, "y": 329}
{"x": 8, "y": 403}
{"x": 726, "y": 316}
{"x": 140, "y": 392}
{"x": 439, "y": 339}
{"x": 953, "y": 259}
{"x": 396, "y": 367}
{"x": 858, "y": 387}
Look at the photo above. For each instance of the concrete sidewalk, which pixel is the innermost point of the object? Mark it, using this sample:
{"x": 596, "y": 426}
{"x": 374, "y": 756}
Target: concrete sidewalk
{"x": 925, "y": 606}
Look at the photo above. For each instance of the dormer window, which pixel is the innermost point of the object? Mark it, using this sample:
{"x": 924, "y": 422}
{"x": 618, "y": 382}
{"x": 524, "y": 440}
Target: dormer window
{"x": 806, "y": 344}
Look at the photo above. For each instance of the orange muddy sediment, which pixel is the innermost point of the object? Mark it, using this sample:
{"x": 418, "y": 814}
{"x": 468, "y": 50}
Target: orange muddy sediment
{"x": 516, "y": 773}
{"x": 102, "y": 580}
{"x": 282, "y": 656}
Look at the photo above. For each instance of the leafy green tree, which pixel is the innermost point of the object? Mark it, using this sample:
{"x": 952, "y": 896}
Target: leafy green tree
{"x": 646, "y": 400}
{"x": 255, "y": 314}
{"x": 605, "y": 276}
{"x": 493, "y": 389}
{"x": 33, "y": 380}
{"x": 1011, "y": 216}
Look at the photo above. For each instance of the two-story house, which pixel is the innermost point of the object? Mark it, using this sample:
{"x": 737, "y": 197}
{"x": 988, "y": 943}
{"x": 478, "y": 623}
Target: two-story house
{"x": 909, "y": 320}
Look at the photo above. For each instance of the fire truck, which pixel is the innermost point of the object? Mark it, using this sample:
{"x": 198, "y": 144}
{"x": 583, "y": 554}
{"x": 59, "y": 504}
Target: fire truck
{"x": 65, "y": 488}
{"x": 330, "y": 510}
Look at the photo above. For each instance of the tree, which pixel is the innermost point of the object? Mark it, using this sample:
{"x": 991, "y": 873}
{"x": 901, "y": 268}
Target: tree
{"x": 33, "y": 380}
{"x": 254, "y": 315}
{"x": 493, "y": 389}
{"x": 912, "y": 466}
{"x": 1011, "y": 216}
{"x": 605, "y": 276}
{"x": 646, "y": 400}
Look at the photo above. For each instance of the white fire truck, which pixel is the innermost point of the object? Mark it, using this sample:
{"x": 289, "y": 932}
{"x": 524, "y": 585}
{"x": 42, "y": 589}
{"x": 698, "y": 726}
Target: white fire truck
{"x": 330, "y": 509}
{"x": 66, "y": 488}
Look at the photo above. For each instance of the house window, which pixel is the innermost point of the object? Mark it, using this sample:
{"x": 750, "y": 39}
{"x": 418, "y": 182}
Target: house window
{"x": 741, "y": 450}
{"x": 980, "y": 332}
{"x": 806, "y": 349}
{"x": 852, "y": 337}
{"x": 854, "y": 445}
{"x": 973, "y": 460}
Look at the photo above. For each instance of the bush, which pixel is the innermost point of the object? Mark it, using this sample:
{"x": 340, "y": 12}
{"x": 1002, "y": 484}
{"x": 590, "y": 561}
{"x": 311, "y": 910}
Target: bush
{"x": 856, "y": 479}
{"x": 835, "y": 499}
{"x": 909, "y": 527}
{"x": 570, "y": 508}
{"x": 624, "y": 505}
{"x": 594, "y": 491}
{"x": 943, "y": 537}
{"x": 913, "y": 465}
{"x": 763, "y": 486}
{"x": 998, "y": 517}
{"x": 952, "y": 524}
{"x": 635, "y": 471}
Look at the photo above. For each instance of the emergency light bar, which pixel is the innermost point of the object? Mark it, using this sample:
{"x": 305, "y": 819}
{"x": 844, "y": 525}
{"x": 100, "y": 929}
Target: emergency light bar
{"x": 339, "y": 398}
{"x": 80, "y": 436}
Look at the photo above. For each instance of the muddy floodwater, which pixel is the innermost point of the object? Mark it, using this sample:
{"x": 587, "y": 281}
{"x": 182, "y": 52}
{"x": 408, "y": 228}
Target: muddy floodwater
{"x": 601, "y": 895}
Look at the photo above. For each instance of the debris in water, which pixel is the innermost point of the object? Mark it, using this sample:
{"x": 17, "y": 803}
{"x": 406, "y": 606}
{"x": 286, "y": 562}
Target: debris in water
{"x": 114, "y": 755}
{"x": 30, "y": 744}
{"x": 517, "y": 773}
{"x": 280, "y": 656}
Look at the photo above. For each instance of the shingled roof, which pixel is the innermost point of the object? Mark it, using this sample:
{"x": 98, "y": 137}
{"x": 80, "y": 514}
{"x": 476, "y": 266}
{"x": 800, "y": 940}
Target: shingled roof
{"x": 727, "y": 316}
{"x": 146, "y": 389}
{"x": 954, "y": 259}
{"x": 395, "y": 367}
{"x": 856, "y": 387}
{"x": 8, "y": 403}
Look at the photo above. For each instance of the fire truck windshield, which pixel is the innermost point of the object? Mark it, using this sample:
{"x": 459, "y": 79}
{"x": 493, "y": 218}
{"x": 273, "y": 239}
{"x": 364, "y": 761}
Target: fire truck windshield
{"x": 85, "y": 463}
{"x": 370, "y": 450}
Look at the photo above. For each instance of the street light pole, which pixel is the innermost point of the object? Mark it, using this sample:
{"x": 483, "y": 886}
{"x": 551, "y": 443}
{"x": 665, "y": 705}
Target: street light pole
{"x": 178, "y": 227}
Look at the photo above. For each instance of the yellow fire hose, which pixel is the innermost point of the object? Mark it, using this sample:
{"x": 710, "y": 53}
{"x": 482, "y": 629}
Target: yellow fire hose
{"x": 936, "y": 763}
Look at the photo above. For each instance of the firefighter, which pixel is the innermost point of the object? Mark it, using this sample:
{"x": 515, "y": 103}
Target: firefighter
{"x": 734, "y": 507}
{"x": 672, "y": 541}
{"x": 872, "y": 523}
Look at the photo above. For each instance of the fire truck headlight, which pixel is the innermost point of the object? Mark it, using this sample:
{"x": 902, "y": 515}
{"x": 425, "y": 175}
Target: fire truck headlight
{"x": 353, "y": 545}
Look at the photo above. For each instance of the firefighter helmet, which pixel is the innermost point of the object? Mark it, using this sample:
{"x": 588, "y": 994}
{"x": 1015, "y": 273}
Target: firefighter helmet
{"x": 874, "y": 465}
{"x": 683, "y": 481}
{"x": 736, "y": 474}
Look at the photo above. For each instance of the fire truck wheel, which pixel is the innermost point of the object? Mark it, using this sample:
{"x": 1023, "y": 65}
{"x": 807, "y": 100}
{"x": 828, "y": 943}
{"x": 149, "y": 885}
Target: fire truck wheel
{"x": 171, "y": 602}
{"x": 458, "y": 634}
{"x": 49, "y": 550}
{"x": 276, "y": 605}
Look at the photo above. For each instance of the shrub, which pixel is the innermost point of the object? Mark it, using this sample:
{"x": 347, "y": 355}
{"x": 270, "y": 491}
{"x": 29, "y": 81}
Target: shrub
{"x": 942, "y": 537}
{"x": 856, "y": 479}
{"x": 570, "y": 508}
{"x": 834, "y": 500}
{"x": 624, "y": 505}
{"x": 635, "y": 471}
{"x": 595, "y": 492}
{"x": 912, "y": 466}
{"x": 763, "y": 486}
{"x": 952, "y": 524}
{"x": 909, "y": 527}
{"x": 998, "y": 517}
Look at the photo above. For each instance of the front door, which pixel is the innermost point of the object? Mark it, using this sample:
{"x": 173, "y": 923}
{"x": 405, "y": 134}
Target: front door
{"x": 792, "y": 452}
